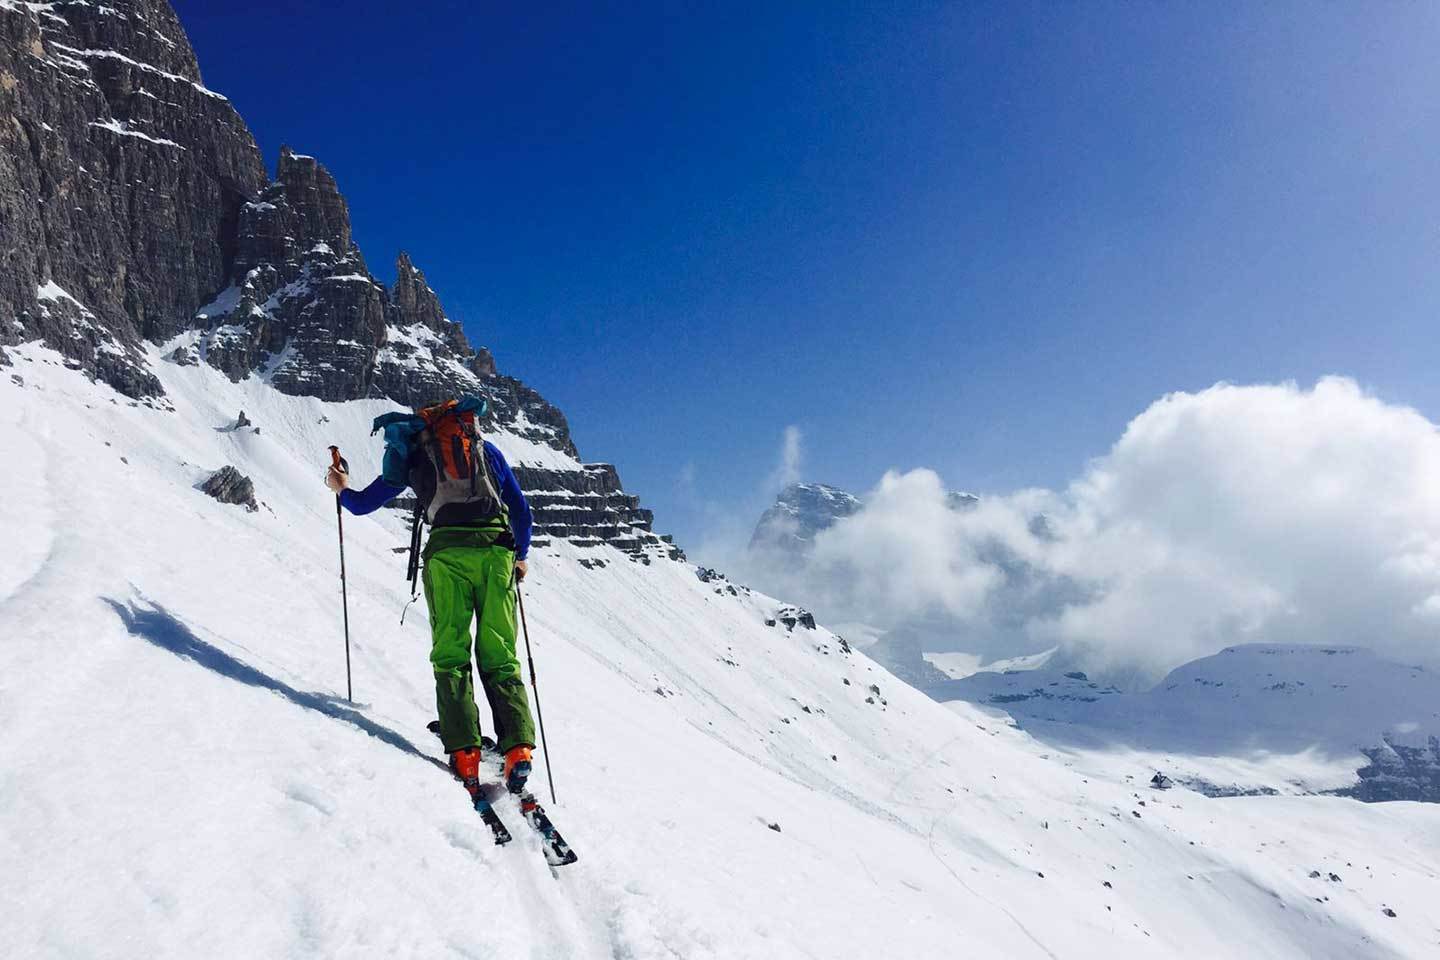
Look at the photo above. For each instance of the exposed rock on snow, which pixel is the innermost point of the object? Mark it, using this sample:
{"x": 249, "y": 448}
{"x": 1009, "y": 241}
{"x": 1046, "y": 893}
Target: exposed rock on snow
{"x": 793, "y": 616}
{"x": 229, "y": 485}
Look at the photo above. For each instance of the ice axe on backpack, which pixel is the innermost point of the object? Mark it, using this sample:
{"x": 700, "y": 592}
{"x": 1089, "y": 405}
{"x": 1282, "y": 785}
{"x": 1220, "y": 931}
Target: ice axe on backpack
{"x": 338, "y": 463}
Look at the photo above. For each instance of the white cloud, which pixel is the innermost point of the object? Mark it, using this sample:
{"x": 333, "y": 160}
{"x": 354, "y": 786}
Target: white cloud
{"x": 728, "y": 524}
{"x": 902, "y": 551}
{"x": 1236, "y": 514}
{"x": 685, "y": 480}
{"x": 792, "y": 459}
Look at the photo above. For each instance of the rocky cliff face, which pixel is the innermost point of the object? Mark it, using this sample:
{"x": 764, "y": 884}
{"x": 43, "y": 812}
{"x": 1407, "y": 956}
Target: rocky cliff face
{"x": 1397, "y": 771}
{"x": 301, "y": 308}
{"x": 136, "y": 207}
{"x": 588, "y": 507}
{"x": 121, "y": 180}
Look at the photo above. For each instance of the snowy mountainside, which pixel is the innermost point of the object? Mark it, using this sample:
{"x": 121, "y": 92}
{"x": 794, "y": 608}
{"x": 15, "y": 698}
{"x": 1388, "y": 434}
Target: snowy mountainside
{"x": 171, "y": 232}
{"x": 1346, "y": 706}
{"x": 182, "y": 772}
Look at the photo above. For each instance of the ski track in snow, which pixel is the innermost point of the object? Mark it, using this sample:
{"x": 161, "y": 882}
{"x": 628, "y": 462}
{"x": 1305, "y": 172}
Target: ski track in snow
{"x": 182, "y": 774}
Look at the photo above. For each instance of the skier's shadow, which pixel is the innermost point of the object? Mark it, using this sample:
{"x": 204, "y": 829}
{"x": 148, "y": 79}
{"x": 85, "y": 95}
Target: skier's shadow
{"x": 162, "y": 628}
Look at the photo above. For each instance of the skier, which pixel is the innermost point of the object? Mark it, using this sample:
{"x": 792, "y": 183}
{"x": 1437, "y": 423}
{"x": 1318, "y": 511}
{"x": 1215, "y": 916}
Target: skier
{"x": 473, "y": 560}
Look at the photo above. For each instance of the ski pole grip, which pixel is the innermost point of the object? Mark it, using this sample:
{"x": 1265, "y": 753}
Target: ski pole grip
{"x": 336, "y": 461}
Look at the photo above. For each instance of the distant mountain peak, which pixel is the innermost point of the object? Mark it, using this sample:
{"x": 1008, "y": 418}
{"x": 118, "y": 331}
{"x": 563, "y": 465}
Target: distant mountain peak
{"x": 804, "y": 509}
{"x": 800, "y": 490}
{"x": 800, "y": 512}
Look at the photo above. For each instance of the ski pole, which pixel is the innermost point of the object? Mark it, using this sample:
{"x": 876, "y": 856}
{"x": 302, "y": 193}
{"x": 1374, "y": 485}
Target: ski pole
{"x": 337, "y": 462}
{"x": 539, "y": 714}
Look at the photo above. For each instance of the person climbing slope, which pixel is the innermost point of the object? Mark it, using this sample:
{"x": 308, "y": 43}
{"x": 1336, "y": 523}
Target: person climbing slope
{"x": 473, "y": 560}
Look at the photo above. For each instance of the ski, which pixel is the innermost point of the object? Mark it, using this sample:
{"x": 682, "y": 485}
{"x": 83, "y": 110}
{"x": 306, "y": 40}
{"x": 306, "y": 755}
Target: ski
{"x": 556, "y": 849}
{"x": 493, "y": 821}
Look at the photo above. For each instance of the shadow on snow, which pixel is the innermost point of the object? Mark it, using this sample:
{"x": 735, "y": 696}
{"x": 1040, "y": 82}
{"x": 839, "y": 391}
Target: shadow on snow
{"x": 162, "y": 628}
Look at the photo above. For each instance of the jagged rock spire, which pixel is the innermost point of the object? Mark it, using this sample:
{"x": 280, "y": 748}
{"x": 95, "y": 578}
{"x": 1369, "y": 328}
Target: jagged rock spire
{"x": 418, "y": 303}
{"x": 320, "y": 211}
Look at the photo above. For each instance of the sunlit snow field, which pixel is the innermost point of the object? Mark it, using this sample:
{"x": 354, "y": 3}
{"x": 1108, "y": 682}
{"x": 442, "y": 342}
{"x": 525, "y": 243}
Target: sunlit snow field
{"x": 181, "y": 774}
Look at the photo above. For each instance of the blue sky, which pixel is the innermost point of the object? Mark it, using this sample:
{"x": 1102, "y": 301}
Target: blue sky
{"x": 975, "y": 237}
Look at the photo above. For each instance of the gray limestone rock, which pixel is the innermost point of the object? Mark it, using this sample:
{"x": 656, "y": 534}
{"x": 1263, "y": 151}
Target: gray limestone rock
{"x": 229, "y": 485}
{"x": 119, "y": 176}
{"x": 793, "y": 616}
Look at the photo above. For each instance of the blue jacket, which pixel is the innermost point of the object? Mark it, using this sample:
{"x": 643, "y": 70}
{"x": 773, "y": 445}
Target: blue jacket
{"x": 379, "y": 493}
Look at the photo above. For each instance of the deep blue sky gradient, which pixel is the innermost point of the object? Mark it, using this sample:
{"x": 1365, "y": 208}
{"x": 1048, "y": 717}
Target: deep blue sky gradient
{"x": 976, "y": 237}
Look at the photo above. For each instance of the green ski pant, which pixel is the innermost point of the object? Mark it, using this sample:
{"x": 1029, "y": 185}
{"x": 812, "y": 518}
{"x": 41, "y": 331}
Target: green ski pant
{"x": 461, "y": 584}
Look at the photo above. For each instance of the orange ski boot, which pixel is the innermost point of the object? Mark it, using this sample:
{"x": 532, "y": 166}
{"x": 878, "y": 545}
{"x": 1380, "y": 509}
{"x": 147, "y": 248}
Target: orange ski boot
{"x": 465, "y": 764}
{"x": 517, "y": 768}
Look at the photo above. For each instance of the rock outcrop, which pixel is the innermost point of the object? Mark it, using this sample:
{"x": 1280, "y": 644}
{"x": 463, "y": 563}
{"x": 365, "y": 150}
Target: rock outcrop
{"x": 136, "y": 207}
{"x": 792, "y": 616}
{"x": 588, "y": 507}
{"x": 229, "y": 485}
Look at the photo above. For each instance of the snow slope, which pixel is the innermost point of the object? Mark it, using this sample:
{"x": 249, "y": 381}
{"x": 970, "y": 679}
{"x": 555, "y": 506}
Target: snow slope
{"x": 1258, "y": 716}
{"x": 181, "y": 774}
